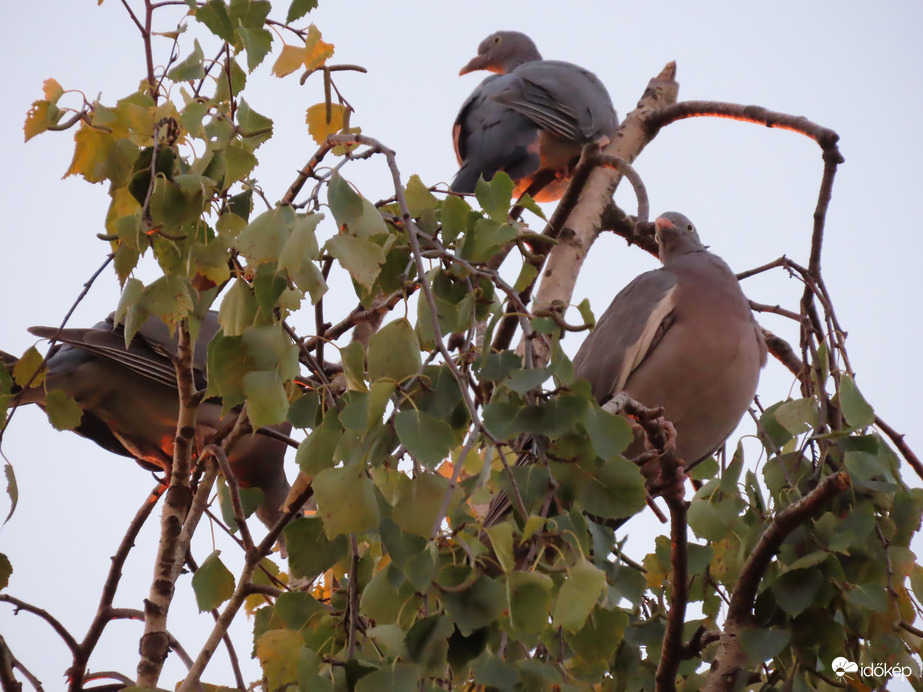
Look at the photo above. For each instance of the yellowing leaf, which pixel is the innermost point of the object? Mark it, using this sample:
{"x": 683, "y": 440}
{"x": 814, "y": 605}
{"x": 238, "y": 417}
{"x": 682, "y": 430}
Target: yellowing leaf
{"x": 289, "y": 60}
{"x": 312, "y": 55}
{"x": 318, "y": 126}
{"x": 63, "y": 412}
{"x": 52, "y": 90}
{"x": 278, "y": 653}
{"x": 41, "y": 116}
{"x": 90, "y": 154}
{"x": 316, "y": 51}
{"x": 26, "y": 371}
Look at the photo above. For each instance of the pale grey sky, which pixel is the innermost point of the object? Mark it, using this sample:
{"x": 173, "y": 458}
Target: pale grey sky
{"x": 850, "y": 66}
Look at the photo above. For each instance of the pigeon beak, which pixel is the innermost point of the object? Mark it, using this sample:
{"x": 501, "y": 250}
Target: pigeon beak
{"x": 479, "y": 62}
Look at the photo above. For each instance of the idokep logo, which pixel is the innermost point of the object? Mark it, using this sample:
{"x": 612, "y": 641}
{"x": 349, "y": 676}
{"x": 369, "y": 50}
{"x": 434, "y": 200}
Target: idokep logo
{"x": 843, "y": 666}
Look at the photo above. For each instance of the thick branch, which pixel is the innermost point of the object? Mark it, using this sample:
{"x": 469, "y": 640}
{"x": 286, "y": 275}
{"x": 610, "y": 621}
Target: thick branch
{"x": 582, "y": 225}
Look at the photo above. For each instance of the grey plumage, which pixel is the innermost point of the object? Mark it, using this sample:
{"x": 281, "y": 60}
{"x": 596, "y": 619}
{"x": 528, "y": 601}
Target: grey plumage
{"x": 531, "y": 119}
{"x": 130, "y": 400}
{"x": 682, "y": 337}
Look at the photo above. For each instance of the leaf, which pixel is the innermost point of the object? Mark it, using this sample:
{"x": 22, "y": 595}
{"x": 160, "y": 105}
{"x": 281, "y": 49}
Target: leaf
{"x": 170, "y": 298}
{"x": 615, "y": 491}
{"x": 278, "y": 652}
{"x": 363, "y": 259}
{"x": 190, "y": 69}
{"x": 315, "y": 453}
{"x": 319, "y": 127}
{"x": 579, "y": 593}
{"x": 501, "y": 539}
{"x": 397, "y": 677}
{"x": 394, "y": 352}
{"x": 298, "y": 9}
{"x": 427, "y": 438}
{"x": 869, "y": 597}
{"x": 797, "y": 416}
{"x": 856, "y": 410}
{"x": 495, "y": 196}
{"x": 63, "y": 412}
{"x": 28, "y": 370}
{"x": 309, "y": 552}
{"x": 762, "y": 644}
{"x": 529, "y": 595}
{"x": 346, "y": 500}
{"x": 212, "y": 583}
{"x": 312, "y": 55}
{"x": 795, "y": 590}
{"x": 6, "y": 569}
{"x": 600, "y": 636}
{"x": 41, "y": 116}
{"x": 473, "y": 607}
{"x": 267, "y": 403}
{"x": 214, "y": 15}
{"x": 609, "y": 434}
{"x": 419, "y": 501}
{"x": 12, "y": 489}
{"x": 257, "y": 42}
{"x": 419, "y": 198}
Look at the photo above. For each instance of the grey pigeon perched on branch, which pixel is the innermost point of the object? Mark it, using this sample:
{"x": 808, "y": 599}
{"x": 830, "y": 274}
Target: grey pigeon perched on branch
{"x": 130, "y": 400}
{"x": 682, "y": 337}
{"x": 531, "y": 120}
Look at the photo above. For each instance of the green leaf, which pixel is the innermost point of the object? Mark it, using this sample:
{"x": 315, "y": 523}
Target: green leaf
{"x": 418, "y": 503}
{"x": 309, "y": 552}
{"x": 869, "y": 597}
{"x": 495, "y": 196}
{"x": 354, "y": 214}
{"x": 345, "y": 500}
{"x": 190, "y": 69}
{"x": 615, "y": 491}
{"x": 267, "y": 403}
{"x": 419, "y": 198}
{"x": 212, "y": 583}
{"x": 579, "y": 593}
{"x": 394, "y": 352}
{"x": 856, "y": 410}
{"x": 601, "y": 635}
{"x": 170, "y": 298}
{"x": 264, "y": 238}
{"x": 473, "y": 607}
{"x": 353, "y": 357}
{"x": 454, "y": 217}
{"x": 363, "y": 259}
{"x": 797, "y": 416}
{"x": 6, "y": 569}
{"x": 609, "y": 434}
{"x": 762, "y": 644}
{"x": 529, "y": 595}
{"x": 795, "y": 590}
{"x": 398, "y": 677}
{"x": 250, "y": 499}
{"x": 501, "y": 539}
{"x": 315, "y": 453}
{"x": 298, "y": 9}
{"x": 427, "y": 438}
{"x": 63, "y": 412}
{"x": 863, "y": 465}
{"x": 214, "y": 14}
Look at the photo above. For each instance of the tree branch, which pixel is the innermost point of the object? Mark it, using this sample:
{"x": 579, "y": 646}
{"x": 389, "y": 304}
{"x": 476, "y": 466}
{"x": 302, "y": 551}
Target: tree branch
{"x": 730, "y": 660}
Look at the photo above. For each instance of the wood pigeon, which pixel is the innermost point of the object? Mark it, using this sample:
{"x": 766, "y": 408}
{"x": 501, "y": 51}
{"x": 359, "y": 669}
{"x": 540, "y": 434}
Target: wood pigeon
{"x": 681, "y": 337}
{"x": 532, "y": 119}
{"x": 130, "y": 400}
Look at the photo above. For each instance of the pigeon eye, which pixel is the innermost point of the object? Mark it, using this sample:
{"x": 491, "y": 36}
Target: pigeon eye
{"x": 497, "y": 39}
{"x": 689, "y": 227}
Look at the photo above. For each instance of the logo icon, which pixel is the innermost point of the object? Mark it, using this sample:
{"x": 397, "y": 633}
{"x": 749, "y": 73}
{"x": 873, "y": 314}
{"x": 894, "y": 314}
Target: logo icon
{"x": 842, "y": 666}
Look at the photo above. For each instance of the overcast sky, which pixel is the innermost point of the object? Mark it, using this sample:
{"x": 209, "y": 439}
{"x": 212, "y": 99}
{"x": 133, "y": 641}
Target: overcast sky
{"x": 854, "y": 67}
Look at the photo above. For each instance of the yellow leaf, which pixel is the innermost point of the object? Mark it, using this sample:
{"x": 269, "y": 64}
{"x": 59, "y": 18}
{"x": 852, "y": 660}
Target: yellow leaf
{"x": 316, "y": 51}
{"x": 41, "y": 116}
{"x": 317, "y": 121}
{"x": 289, "y": 60}
{"x": 52, "y": 90}
{"x": 90, "y": 154}
{"x": 278, "y": 651}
